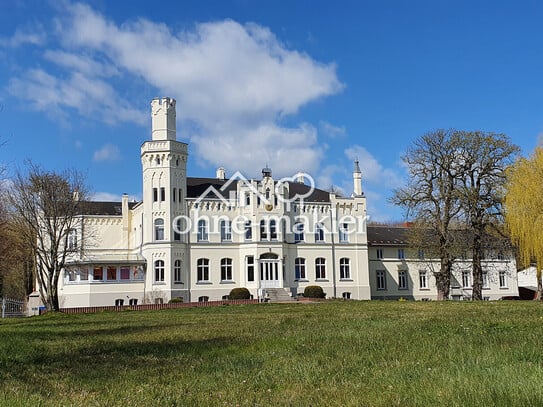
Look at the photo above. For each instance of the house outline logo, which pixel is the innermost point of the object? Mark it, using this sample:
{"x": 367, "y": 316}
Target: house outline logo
{"x": 239, "y": 177}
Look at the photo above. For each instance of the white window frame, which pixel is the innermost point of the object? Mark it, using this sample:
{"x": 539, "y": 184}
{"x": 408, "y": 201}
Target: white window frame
{"x": 226, "y": 230}
{"x": 345, "y": 268}
{"x": 381, "y": 278}
{"x": 299, "y": 269}
{"x": 202, "y": 270}
{"x": 403, "y": 283}
{"x": 226, "y": 269}
{"x": 320, "y": 268}
{"x": 423, "y": 279}
{"x": 158, "y": 271}
{"x": 177, "y": 271}
{"x": 203, "y": 231}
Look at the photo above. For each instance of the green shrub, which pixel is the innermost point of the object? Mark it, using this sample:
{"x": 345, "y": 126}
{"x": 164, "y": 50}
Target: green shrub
{"x": 175, "y": 299}
{"x": 313, "y": 291}
{"x": 240, "y": 293}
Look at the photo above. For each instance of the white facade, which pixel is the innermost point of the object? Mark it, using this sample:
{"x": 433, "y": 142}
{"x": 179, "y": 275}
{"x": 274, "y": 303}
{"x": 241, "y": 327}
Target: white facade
{"x": 197, "y": 238}
{"x": 399, "y": 272}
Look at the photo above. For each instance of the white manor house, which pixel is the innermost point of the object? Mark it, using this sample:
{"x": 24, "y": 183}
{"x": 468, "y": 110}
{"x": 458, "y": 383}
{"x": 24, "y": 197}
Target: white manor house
{"x": 198, "y": 238}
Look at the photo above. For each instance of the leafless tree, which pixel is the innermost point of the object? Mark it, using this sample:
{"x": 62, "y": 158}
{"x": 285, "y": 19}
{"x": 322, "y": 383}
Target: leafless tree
{"x": 46, "y": 206}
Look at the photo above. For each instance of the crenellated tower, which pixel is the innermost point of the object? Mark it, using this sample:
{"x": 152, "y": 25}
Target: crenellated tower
{"x": 164, "y": 161}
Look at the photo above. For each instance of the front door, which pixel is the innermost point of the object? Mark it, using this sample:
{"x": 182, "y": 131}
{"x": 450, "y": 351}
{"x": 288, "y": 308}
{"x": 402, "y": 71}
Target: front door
{"x": 270, "y": 275}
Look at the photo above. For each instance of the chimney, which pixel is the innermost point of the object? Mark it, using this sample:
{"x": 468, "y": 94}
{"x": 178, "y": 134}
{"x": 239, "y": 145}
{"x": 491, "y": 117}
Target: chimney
{"x": 221, "y": 174}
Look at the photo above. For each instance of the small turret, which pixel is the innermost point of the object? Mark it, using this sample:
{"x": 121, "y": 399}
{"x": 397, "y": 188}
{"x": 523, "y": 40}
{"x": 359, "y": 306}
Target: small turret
{"x": 163, "y": 119}
{"x": 221, "y": 173}
{"x": 266, "y": 172}
{"x": 357, "y": 179}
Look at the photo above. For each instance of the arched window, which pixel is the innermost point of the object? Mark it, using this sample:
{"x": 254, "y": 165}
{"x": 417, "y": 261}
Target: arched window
{"x": 177, "y": 271}
{"x": 202, "y": 231}
{"x": 273, "y": 229}
{"x": 159, "y": 271}
{"x": 319, "y": 232}
{"x": 226, "y": 269}
{"x": 159, "y": 229}
{"x": 263, "y": 230}
{"x": 320, "y": 268}
{"x": 202, "y": 270}
{"x": 344, "y": 268}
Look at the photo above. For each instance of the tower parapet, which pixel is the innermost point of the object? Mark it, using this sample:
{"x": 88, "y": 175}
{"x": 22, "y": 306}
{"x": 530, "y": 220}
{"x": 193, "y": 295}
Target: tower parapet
{"x": 163, "y": 119}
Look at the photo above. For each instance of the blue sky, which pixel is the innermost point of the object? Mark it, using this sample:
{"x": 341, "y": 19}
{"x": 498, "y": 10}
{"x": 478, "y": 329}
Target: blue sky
{"x": 298, "y": 85}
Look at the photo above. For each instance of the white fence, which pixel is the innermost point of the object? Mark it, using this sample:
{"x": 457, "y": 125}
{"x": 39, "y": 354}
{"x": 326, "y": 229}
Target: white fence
{"x": 12, "y": 308}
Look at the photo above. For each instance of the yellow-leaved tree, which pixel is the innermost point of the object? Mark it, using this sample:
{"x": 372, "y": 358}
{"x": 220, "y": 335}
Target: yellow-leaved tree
{"x": 524, "y": 211}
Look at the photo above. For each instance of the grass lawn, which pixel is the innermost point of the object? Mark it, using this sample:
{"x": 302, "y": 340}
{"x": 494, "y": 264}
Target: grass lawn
{"x": 326, "y": 354}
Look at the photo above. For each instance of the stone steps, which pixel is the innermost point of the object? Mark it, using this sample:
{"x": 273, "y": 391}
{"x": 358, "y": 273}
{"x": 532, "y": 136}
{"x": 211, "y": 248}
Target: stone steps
{"x": 278, "y": 295}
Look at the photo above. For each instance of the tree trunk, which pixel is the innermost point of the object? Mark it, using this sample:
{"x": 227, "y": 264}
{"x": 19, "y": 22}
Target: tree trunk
{"x": 477, "y": 286}
{"x": 443, "y": 279}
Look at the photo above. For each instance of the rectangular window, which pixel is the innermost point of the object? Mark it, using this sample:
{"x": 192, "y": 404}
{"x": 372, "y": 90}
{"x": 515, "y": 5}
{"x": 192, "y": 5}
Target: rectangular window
{"x": 344, "y": 232}
{"x": 423, "y": 279}
{"x": 503, "y": 279}
{"x": 401, "y": 254}
{"x": 379, "y": 253}
{"x": 98, "y": 274}
{"x": 485, "y": 280}
{"x": 346, "y": 295}
{"x": 119, "y": 302}
{"x": 111, "y": 273}
{"x": 466, "y": 279}
{"x": 72, "y": 239}
{"x": 402, "y": 280}
{"x": 250, "y": 268}
{"x": 162, "y": 194}
{"x": 421, "y": 254}
{"x": 226, "y": 231}
{"x": 298, "y": 232}
{"x": 133, "y": 301}
{"x": 155, "y": 194}
{"x": 177, "y": 229}
{"x": 226, "y": 269}
{"x": 299, "y": 268}
{"x": 381, "y": 280}
{"x": 320, "y": 268}
{"x": 177, "y": 271}
{"x": 344, "y": 268}
{"x": 174, "y": 193}
{"x": 180, "y": 195}
{"x": 125, "y": 273}
{"x": 84, "y": 274}
{"x": 202, "y": 231}
{"x": 202, "y": 269}
{"x": 248, "y": 230}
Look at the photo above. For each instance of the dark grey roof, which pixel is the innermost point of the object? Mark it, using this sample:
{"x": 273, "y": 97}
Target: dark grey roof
{"x": 103, "y": 208}
{"x": 197, "y": 186}
{"x": 387, "y": 235}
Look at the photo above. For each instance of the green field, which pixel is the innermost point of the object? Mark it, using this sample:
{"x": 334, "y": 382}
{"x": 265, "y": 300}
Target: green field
{"x": 323, "y": 354}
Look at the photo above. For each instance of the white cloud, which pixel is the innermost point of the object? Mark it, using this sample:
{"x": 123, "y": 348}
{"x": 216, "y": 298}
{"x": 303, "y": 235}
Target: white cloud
{"x": 110, "y": 197}
{"x": 332, "y": 131}
{"x": 91, "y": 97}
{"x": 108, "y": 152}
{"x": 34, "y": 36}
{"x": 233, "y": 83}
{"x": 372, "y": 171}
